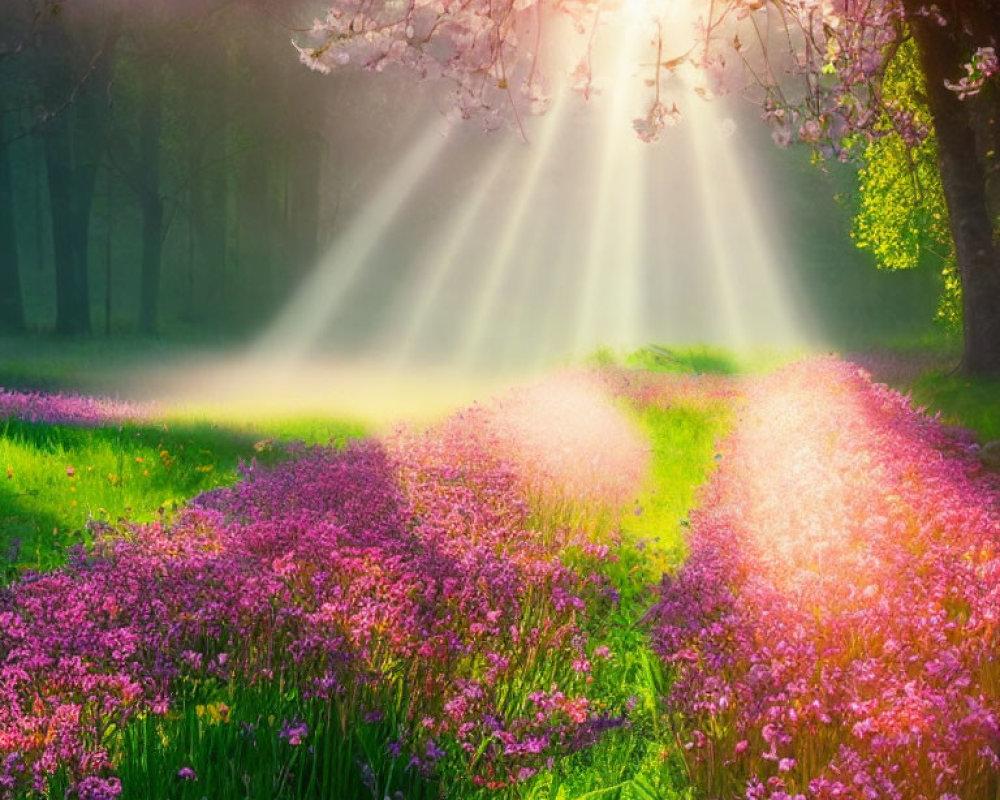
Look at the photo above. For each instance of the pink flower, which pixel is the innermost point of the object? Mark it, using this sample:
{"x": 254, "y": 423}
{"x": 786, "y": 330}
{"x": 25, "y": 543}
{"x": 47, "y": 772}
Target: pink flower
{"x": 294, "y": 732}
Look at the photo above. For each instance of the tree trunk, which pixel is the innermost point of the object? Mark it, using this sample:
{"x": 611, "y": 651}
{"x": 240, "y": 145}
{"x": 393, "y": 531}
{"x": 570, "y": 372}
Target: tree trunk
{"x": 963, "y": 178}
{"x": 11, "y": 304}
{"x": 74, "y": 84}
{"x": 150, "y": 201}
{"x": 71, "y": 188}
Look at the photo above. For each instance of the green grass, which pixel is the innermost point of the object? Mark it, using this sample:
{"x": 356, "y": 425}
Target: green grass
{"x": 640, "y": 762}
{"x": 54, "y": 478}
{"x": 696, "y": 359}
{"x": 684, "y": 449}
{"x": 970, "y": 402}
{"x": 235, "y": 748}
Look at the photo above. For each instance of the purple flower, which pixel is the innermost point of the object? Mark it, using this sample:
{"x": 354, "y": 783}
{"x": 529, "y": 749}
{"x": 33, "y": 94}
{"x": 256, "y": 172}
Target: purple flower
{"x": 433, "y": 752}
{"x": 293, "y": 732}
{"x": 187, "y": 774}
{"x": 95, "y": 788}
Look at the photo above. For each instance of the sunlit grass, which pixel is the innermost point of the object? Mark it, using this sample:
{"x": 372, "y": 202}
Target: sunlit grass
{"x": 698, "y": 359}
{"x": 55, "y": 478}
{"x": 684, "y": 445}
{"x": 641, "y": 760}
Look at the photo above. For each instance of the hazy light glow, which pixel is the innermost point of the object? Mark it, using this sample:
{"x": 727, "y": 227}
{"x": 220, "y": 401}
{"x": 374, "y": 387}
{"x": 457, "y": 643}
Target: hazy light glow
{"x": 485, "y": 303}
{"x": 612, "y": 249}
{"x": 670, "y": 13}
{"x": 307, "y": 316}
{"x": 718, "y": 234}
{"x": 238, "y": 391}
{"x": 501, "y": 253}
{"x": 743, "y": 265}
{"x": 419, "y": 299}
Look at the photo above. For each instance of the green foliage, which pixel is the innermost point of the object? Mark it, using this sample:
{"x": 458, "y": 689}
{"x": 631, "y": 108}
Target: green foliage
{"x": 901, "y": 215}
{"x": 233, "y": 746}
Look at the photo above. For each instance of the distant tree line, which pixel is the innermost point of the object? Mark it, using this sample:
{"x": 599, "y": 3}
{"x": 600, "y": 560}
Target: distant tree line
{"x": 160, "y": 162}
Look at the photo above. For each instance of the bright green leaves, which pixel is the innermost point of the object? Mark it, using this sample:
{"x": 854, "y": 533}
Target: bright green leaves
{"x": 901, "y": 215}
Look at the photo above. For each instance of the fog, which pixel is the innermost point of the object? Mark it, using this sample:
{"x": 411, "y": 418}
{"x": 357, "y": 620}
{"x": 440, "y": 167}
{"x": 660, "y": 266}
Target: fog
{"x": 231, "y": 196}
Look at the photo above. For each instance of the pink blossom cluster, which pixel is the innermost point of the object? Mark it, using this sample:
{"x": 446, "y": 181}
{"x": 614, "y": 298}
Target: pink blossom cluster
{"x": 569, "y": 442}
{"x": 819, "y": 63}
{"x": 983, "y": 66}
{"x": 67, "y": 409}
{"x": 834, "y": 633}
{"x": 413, "y": 563}
{"x": 644, "y": 389}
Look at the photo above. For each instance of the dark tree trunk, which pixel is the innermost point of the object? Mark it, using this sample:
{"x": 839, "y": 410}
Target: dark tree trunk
{"x": 150, "y": 201}
{"x": 71, "y": 187}
{"x": 964, "y": 163}
{"x": 74, "y": 85}
{"x": 11, "y": 304}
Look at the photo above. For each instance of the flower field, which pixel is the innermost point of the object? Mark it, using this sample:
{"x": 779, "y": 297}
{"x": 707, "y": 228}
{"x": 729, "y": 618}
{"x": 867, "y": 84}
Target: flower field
{"x": 834, "y": 631}
{"x": 63, "y": 409}
{"x": 476, "y": 609}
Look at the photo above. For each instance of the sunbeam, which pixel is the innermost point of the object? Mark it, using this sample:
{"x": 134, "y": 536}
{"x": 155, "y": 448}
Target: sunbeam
{"x": 615, "y": 206}
{"x": 521, "y": 255}
{"x": 744, "y": 264}
{"x": 424, "y": 290}
{"x": 630, "y": 319}
{"x": 723, "y": 259}
{"x": 485, "y": 303}
{"x": 305, "y": 318}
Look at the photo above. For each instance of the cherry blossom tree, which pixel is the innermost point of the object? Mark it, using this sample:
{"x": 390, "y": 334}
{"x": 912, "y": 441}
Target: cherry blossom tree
{"x": 815, "y": 66}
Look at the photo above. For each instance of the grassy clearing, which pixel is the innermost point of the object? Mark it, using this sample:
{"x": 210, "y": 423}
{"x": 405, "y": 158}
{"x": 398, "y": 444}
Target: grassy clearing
{"x": 684, "y": 444}
{"x": 640, "y": 761}
{"x": 241, "y": 746}
{"x": 55, "y": 478}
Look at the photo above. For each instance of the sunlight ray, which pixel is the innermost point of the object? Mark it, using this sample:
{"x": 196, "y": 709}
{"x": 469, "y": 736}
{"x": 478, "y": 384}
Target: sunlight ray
{"x": 424, "y": 290}
{"x": 755, "y": 275}
{"x": 304, "y": 319}
{"x": 488, "y": 297}
{"x": 722, "y": 261}
{"x": 761, "y": 259}
{"x": 522, "y": 298}
{"x": 606, "y": 193}
{"x": 630, "y": 260}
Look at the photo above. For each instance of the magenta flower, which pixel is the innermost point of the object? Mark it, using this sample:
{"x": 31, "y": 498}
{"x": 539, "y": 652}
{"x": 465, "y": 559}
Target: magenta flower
{"x": 294, "y": 732}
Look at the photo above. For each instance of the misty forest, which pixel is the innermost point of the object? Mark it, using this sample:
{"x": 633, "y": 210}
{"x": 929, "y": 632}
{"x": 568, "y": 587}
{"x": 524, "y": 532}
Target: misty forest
{"x": 549, "y": 399}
